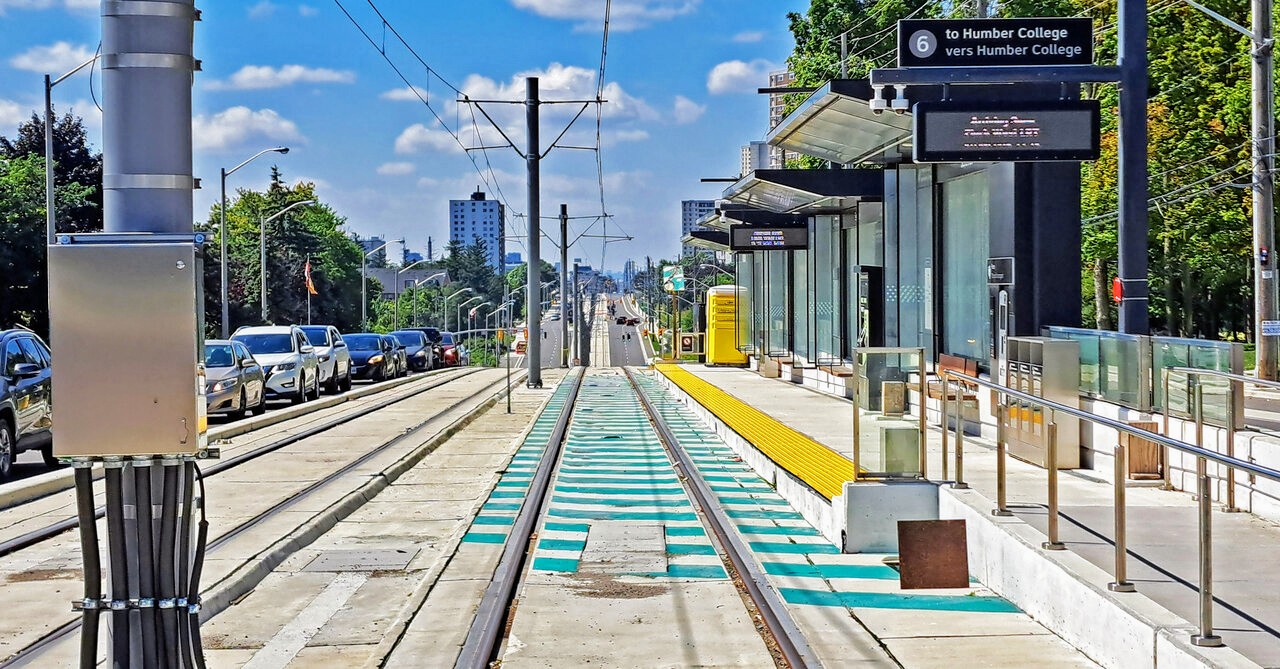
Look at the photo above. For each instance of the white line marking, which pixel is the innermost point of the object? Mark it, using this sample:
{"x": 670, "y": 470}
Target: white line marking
{"x": 290, "y": 640}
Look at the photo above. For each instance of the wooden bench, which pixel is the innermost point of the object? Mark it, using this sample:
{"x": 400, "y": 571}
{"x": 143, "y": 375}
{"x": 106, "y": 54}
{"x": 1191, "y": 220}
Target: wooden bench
{"x": 840, "y": 371}
{"x": 954, "y": 363}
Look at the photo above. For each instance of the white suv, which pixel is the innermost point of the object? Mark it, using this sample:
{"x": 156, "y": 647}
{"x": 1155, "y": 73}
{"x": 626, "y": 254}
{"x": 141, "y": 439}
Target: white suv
{"x": 287, "y": 358}
{"x": 332, "y": 355}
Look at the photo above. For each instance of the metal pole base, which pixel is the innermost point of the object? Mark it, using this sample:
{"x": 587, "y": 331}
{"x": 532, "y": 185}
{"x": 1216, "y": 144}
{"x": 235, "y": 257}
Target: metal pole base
{"x": 1210, "y": 641}
{"x": 959, "y": 486}
{"x": 1053, "y": 546}
{"x": 1002, "y": 513}
{"x": 1230, "y": 509}
{"x": 1121, "y": 586}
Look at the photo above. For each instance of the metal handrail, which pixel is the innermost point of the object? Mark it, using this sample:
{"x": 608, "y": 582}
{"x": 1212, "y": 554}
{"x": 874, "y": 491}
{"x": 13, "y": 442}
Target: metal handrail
{"x": 1204, "y": 636}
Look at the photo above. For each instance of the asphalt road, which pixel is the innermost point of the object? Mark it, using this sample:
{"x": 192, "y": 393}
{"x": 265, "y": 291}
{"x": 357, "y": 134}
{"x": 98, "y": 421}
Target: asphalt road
{"x": 624, "y": 351}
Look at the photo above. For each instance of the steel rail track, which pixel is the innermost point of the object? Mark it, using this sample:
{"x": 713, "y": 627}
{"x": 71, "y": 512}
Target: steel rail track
{"x": 29, "y": 653}
{"x": 47, "y": 532}
{"x": 486, "y": 632}
{"x": 782, "y": 627}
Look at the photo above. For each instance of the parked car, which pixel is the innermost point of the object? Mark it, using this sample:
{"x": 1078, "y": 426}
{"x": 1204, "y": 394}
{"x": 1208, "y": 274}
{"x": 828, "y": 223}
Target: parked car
{"x": 398, "y": 353}
{"x": 437, "y": 352}
{"x": 333, "y": 357}
{"x": 234, "y": 382}
{"x": 621, "y": 320}
{"x": 449, "y": 353}
{"x": 26, "y": 398}
{"x": 418, "y": 349}
{"x": 288, "y": 359}
{"x": 372, "y": 358}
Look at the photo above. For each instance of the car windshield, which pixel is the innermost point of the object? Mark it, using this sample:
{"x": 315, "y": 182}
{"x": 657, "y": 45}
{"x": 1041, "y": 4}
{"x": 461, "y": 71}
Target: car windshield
{"x": 433, "y": 334}
{"x": 391, "y": 341}
{"x": 362, "y": 342}
{"x": 446, "y": 338}
{"x": 317, "y": 336}
{"x": 259, "y": 344}
{"x": 408, "y": 338}
{"x": 218, "y": 355}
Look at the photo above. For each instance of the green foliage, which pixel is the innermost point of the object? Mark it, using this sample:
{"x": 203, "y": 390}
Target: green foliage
{"x": 312, "y": 232}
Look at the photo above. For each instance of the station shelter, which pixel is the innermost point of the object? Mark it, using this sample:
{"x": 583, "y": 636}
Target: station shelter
{"x": 898, "y": 253}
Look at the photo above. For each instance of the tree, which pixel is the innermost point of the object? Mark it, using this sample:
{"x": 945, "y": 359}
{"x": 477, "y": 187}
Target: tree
{"x": 313, "y": 232}
{"x": 74, "y": 163}
{"x": 24, "y": 292}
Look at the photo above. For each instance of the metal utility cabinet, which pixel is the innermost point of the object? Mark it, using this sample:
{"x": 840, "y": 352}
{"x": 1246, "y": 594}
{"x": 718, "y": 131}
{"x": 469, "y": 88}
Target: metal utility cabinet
{"x": 1048, "y": 369}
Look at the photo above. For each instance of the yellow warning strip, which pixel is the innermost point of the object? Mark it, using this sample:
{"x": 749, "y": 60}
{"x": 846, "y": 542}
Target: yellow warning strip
{"x": 821, "y": 468}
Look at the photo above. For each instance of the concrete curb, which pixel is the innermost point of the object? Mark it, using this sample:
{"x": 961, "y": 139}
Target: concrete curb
{"x": 49, "y": 483}
{"x": 1119, "y": 631}
{"x": 243, "y": 579}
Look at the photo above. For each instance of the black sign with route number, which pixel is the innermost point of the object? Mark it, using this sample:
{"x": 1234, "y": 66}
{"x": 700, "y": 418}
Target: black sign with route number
{"x": 995, "y": 42}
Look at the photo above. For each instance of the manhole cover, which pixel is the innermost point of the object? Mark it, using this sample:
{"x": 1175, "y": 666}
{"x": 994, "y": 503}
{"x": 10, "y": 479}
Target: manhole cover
{"x": 363, "y": 560}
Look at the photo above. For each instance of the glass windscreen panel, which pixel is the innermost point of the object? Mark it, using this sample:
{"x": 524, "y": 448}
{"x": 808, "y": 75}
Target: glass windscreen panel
{"x": 267, "y": 344}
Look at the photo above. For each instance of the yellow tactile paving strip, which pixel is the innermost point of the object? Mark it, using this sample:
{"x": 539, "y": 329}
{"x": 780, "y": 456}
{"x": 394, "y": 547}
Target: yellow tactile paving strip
{"x": 821, "y": 468}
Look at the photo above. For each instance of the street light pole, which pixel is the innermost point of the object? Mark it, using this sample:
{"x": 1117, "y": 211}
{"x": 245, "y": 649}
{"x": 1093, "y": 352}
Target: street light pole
{"x": 262, "y": 230}
{"x": 364, "y": 282}
{"x": 444, "y": 305}
{"x": 50, "y": 205}
{"x": 564, "y": 283}
{"x": 222, "y": 235}
{"x": 533, "y": 158}
{"x": 416, "y": 284}
{"x": 457, "y": 321}
{"x": 396, "y": 291}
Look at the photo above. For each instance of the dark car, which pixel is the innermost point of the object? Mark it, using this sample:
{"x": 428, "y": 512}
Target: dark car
{"x": 449, "y": 353}
{"x": 418, "y": 349}
{"x": 372, "y": 358}
{"x": 437, "y": 352}
{"x": 234, "y": 382}
{"x": 621, "y": 320}
{"x": 398, "y": 354}
{"x": 26, "y": 398}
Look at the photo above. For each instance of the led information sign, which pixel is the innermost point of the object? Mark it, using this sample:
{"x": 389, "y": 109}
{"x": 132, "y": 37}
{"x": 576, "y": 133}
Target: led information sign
{"x": 992, "y": 42}
{"x": 949, "y": 132}
{"x": 771, "y": 238}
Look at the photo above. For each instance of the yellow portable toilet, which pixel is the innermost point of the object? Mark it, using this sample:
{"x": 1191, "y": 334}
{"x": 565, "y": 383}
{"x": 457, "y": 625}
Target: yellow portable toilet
{"x": 721, "y": 337}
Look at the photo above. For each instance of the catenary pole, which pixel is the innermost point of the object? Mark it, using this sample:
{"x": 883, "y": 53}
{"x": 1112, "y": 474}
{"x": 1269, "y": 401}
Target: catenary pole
{"x": 1264, "y": 232}
{"x": 564, "y": 285}
{"x": 533, "y": 304}
{"x": 1132, "y": 175}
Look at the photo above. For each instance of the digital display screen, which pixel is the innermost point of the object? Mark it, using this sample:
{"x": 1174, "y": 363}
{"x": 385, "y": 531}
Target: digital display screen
{"x": 770, "y": 238}
{"x": 1059, "y": 130}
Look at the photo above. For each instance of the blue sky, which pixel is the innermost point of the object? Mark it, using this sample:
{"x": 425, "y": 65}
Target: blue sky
{"x": 681, "y": 80}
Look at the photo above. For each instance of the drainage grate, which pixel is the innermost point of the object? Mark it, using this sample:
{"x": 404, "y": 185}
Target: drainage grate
{"x": 362, "y": 560}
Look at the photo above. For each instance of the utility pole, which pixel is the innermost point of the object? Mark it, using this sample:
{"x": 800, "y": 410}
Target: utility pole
{"x": 533, "y": 304}
{"x": 580, "y": 324}
{"x": 564, "y": 284}
{"x": 1132, "y": 172}
{"x": 1264, "y": 232}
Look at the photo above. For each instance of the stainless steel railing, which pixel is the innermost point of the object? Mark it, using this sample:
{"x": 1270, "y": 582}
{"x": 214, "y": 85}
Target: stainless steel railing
{"x": 1204, "y": 635}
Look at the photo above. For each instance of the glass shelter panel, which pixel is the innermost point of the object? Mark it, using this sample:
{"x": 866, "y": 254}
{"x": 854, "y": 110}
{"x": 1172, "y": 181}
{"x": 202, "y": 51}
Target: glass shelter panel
{"x": 966, "y": 317}
{"x": 826, "y": 289}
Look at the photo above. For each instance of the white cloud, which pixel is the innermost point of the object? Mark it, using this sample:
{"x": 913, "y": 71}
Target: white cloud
{"x": 561, "y": 82}
{"x": 737, "y": 76}
{"x": 396, "y": 169}
{"x": 12, "y": 115}
{"x": 749, "y": 37}
{"x": 47, "y": 4}
{"x": 687, "y": 111}
{"x": 263, "y": 9}
{"x": 418, "y": 138}
{"x": 624, "y": 15}
{"x": 610, "y": 138}
{"x": 307, "y": 10}
{"x": 253, "y": 77}
{"x": 406, "y": 94}
{"x": 234, "y": 127}
{"x": 54, "y": 59}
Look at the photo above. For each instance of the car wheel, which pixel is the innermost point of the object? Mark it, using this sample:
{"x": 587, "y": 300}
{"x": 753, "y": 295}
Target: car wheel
{"x": 315, "y": 387}
{"x": 46, "y": 454}
{"x": 261, "y": 408}
{"x": 346, "y": 382}
{"x": 333, "y": 385}
{"x": 6, "y": 450}
{"x": 300, "y": 396}
{"x": 243, "y": 411}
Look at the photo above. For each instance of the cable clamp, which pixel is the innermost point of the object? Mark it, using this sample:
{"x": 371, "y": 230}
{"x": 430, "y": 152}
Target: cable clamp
{"x": 141, "y": 461}
{"x": 181, "y": 602}
{"x": 87, "y": 604}
{"x": 211, "y": 453}
{"x": 193, "y": 608}
{"x": 144, "y": 603}
{"x": 170, "y": 461}
{"x": 113, "y": 463}
{"x": 79, "y": 463}
{"x": 168, "y": 603}
{"x": 119, "y": 604}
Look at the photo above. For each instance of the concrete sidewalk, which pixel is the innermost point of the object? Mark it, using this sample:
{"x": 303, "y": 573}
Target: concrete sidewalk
{"x": 1161, "y": 524}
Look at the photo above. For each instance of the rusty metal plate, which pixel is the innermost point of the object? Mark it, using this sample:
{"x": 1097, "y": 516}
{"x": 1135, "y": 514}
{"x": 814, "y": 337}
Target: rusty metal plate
{"x": 932, "y": 554}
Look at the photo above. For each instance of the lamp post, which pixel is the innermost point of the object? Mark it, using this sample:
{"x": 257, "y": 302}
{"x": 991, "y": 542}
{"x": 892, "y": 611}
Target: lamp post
{"x": 364, "y": 283}
{"x": 497, "y": 322}
{"x": 457, "y": 320}
{"x": 222, "y": 234}
{"x": 396, "y": 290}
{"x": 414, "y": 318}
{"x": 262, "y": 231}
{"x": 444, "y": 305}
{"x": 51, "y": 220}
{"x": 471, "y": 316}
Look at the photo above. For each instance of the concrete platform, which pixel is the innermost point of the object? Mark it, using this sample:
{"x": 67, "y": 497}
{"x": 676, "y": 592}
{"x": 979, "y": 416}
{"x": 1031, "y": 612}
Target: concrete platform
{"x": 1161, "y": 538}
